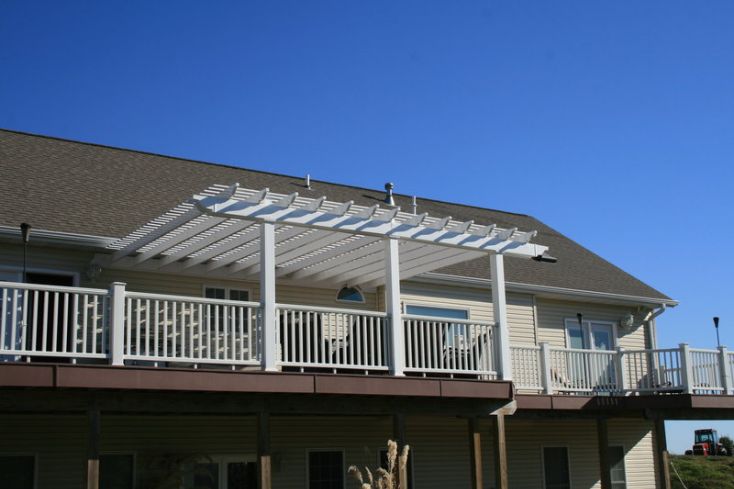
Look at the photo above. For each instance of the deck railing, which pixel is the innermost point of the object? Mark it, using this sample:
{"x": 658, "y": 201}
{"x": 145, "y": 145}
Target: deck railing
{"x": 189, "y": 330}
{"x": 52, "y": 321}
{"x": 123, "y": 327}
{"x": 450, "y": 346}
{"x": 309, "y": 336}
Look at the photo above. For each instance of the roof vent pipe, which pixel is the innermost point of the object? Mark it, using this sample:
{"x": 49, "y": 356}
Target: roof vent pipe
{"x": 308, "y": 181}
{"x": 414, "y": 205}
{"x": 389, "y": 199}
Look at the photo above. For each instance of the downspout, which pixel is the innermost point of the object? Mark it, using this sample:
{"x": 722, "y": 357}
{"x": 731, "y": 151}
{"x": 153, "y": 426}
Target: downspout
{"x": 651, "y": 325}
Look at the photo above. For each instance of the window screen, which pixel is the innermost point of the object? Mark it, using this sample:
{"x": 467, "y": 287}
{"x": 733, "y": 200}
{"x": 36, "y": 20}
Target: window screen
{"x": 616, "y": 468}
{"x": 17, "y": 471}
{"x": 325, "y": 470}
{"x": 555, "y": 468}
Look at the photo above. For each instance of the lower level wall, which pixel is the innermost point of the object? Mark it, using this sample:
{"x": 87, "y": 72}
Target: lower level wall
{"x": 439, "y": 446}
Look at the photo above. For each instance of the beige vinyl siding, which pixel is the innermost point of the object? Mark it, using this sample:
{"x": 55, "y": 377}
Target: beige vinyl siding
{"x": 58, "y": 442}
{"x": 520, "y": 311}
{"x": 553, "y": 313}
{"x": 636, "y": 436}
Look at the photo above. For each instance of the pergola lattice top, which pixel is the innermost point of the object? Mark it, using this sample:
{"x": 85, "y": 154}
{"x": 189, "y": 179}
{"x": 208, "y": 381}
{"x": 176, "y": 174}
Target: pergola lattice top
{"x": 215, "y": 233}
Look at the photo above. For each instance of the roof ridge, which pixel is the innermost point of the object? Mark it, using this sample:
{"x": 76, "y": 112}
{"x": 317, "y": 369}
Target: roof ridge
{"x": 265, "y": 172}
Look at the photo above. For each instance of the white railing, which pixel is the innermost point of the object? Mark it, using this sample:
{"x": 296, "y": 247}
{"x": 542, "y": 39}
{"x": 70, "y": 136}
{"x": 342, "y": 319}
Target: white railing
{"x": 310, "y": 336}
{"x": 706, "y": 371}
{"x": 451, "y": 346}
{"x": 52, "y": 321}
{"x": 583, "y": 371}
{"x": 526, "y": 367}
{"x": 653, "y": 370}
{"x": 189, "y": 330}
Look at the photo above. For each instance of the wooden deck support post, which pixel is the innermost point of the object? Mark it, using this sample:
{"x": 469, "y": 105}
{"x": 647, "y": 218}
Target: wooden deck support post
{"x": 475, "y": 454}
{"x": 500, "y": 452}
{"x": 661, "y": 454}
{"x": 93, "y": 449}
{"x": 605, "y": 473}
{"x": 264, "y": 463}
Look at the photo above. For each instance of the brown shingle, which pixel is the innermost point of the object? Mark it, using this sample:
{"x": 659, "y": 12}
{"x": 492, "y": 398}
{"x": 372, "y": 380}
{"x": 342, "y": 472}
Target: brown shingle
{"x": 85, "y": 188}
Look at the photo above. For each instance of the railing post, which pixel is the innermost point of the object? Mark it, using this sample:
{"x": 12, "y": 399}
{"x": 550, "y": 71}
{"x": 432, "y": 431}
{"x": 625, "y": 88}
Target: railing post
{"x": 499, "y": 303}
{"x": 392, "y": 306}
{"x": 545, "y": 368}
{"x": 267, "y": 296}
{"x": 621, "y": 376}
{"x": 117, "y": 323}
{"x": 686, "y": 368}
{"x": 726, "y": 379}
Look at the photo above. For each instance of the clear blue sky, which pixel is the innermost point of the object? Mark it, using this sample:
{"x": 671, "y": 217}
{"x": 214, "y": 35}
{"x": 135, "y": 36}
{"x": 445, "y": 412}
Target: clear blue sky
{"x": 611, "y": 121}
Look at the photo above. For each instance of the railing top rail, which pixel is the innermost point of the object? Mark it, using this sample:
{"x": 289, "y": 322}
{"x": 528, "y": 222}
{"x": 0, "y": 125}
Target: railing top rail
{"x": 524, "y": 347}
{"x": 580, "y": 350}
{"x": 52, "y": 288}
{"x": 651, "y": 350}
{"x": 435, "y": 319}
{"x": 704, "y": 350}
{"x": 356, "y": 312}
{"x": 186, "y": 298}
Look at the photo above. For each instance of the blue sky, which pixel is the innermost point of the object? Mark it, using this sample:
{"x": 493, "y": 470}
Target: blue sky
{"x": 611, "y": 121}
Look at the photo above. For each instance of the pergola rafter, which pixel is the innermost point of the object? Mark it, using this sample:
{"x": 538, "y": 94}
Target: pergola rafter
{"x": 314, "y": 239}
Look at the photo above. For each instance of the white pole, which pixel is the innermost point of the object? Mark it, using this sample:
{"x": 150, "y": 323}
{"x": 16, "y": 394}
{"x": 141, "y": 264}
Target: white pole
{"x": 726, "y": 378}
{"x": 392, "y": 306}
{"x": 117, "y": 323}
{"x": 545, "y": 368}
{"x": 499, "y": 302}
{"x": 686, "y": 368}
{"x": 267, "y": 296}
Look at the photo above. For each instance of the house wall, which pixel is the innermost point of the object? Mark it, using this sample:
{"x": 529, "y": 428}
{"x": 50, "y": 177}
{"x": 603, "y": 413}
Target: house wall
{"x": 439, "y": 446}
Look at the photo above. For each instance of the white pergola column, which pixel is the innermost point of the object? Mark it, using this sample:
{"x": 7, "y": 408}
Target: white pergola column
{"x": 392, "y": 306}
{"x": 499, "y": 303}
{"x": 267, "y": 296}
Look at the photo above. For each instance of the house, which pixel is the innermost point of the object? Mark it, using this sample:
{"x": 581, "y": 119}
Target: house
{"x": 177, "y": 322}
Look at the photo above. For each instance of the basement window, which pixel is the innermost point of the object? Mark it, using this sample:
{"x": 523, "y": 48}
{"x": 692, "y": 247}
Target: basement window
{"x": 555, "y": 468}
{"x": 116, "y": 471}
{"x": 616, "y": 467}
{"x": 326, "y": 469}
{"x": 18, "y": 471}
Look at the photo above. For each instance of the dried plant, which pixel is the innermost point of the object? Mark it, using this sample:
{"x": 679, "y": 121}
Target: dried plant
{"x": 387, "y": 477}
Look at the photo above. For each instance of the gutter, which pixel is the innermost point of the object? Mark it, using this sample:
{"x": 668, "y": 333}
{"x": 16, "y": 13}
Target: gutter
{"x": 444, "y": 278}
{"x": 57, "y": 238}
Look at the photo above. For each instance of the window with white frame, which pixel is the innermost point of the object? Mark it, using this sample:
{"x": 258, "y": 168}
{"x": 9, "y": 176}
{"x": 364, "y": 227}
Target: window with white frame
{"x": 222, "y": 472}
{"x": 456, "y": 334}
{"x": 616, "y": 467}
{"x": 590, "y": 335}
{"x": 18, "y": 471}
{"x": 226, "y": 293}
{"x": 325, "y": 469}
{"x": 116, "y": 471}
{"x": 556, "y": 471}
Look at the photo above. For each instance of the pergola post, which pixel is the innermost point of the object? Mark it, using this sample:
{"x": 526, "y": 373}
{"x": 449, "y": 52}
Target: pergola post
{"x": 499, "y": 303}
{"x": 268, "y": 320}
{"x": 264, "y": 464}
{"x": 392, "y": 306}
{"x": 93, "y": 449}
{"x": 117, "y": 323}
{"x": 475, "y": 454}
{"x": 605, "y": 474}
{"x": 500, "y": 452}
{"x": 661, "y": 452}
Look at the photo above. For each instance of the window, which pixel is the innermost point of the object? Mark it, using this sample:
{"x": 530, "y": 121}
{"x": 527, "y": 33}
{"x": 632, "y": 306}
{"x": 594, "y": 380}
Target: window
{"x": 595, "y": 335}
{"x": 226, "y": 293}
{"x": 222, "y": 473}
{"x": 383, "y": 464}
{"x": 616, "y": 467}
{"x": 325, "y": 469}
{"x": 349, "y": 294}
{"x": 456, "y": 335}
{"x": 18, "y": 471}
{"x": 116, "y": 471}
{"x": 555, "y": 468}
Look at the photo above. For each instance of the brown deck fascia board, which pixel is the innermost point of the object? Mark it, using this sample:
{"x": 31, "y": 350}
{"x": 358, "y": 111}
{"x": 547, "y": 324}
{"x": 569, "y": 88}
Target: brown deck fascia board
{"x": 201, "y": 380}
{"x": 620, "y": 404}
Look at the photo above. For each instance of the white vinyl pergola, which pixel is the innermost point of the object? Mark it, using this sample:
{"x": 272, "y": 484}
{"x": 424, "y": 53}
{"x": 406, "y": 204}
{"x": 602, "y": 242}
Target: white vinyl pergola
{"x": 237, "y": 233}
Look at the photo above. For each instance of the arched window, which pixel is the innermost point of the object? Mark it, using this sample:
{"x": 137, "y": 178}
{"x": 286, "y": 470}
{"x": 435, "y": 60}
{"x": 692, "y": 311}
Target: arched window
{"x": 349, "y": 294}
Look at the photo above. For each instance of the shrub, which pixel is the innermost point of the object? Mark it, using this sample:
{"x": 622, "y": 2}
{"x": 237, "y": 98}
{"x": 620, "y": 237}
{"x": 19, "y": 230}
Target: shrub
{"x": 384, "y": 478}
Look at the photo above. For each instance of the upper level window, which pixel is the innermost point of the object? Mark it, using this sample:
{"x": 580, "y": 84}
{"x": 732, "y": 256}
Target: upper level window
{"x": 438, "y": 312}
{"x": 349, "y": 294}
{"x": 226, "y": 293}
{"x": 594, "y": 335}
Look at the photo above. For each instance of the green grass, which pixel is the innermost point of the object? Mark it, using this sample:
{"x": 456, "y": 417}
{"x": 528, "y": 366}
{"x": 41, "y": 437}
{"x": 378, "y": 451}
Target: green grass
{"x": 703, "y": 472}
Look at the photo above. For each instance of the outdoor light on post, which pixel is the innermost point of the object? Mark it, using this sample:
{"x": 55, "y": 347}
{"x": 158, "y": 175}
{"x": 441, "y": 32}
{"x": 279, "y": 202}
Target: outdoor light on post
{"x": 580, "y": 317}
{"x": 716, "y": 325}
{"x": 25, "y": 232}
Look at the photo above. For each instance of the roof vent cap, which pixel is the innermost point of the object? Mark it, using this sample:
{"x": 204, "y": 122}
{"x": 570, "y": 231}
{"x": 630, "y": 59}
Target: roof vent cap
{"x": 389, "y": 199}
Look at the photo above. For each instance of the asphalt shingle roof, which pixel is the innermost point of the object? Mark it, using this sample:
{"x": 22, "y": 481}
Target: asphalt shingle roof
{"x": 84, "y": 188}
